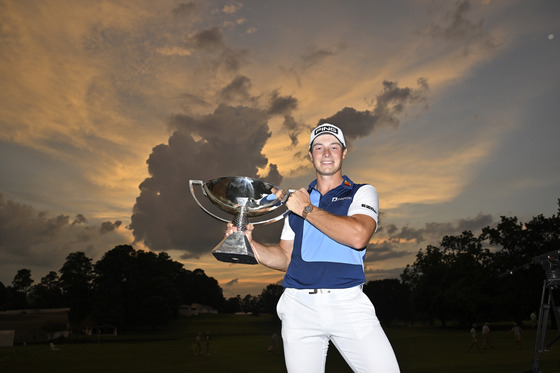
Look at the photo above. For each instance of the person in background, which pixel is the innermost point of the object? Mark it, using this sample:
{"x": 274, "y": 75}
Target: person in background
{"x": 516, "y": 330}
{"x": 486, "y": 337}
{"x": 474, "y": 341}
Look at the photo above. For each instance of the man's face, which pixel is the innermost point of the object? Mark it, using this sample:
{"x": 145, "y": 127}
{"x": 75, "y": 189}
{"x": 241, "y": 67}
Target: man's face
{"x": 327, "y": 155}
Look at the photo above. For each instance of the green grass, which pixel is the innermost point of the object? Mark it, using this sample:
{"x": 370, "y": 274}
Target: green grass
{"x": 239, "y": 344}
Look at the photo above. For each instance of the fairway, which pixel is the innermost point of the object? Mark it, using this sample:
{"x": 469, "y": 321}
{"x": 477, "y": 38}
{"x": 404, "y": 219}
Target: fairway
{"x": 240, "y": 344}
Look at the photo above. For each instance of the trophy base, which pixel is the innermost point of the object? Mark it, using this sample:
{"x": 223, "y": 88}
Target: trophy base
{"x": 235, "y": 249}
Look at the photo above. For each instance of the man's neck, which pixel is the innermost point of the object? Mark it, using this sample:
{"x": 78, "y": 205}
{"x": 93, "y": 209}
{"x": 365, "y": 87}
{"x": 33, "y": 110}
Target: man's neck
{"x": 328, "y": 182}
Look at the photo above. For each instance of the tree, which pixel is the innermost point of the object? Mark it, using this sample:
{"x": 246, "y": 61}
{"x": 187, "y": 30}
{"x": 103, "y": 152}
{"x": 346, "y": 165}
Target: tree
{"x": 114, "y": 294}
{"x": 520, "y": 280}
{"x": 22, "y": 280}
{"x": 451, "y": 281}
{"x": 427, "y": 279}
{"x": 469, "y": 287}
{"x": 391, "y": 299}
{"x": 136, "y": 288}
{"x": 249, "y": 304}
{"x": 197, "y": 287}
{"x": 48, "y": 293}
{"x": 269, "y": 298}
{"x": 17, "y": 293}
{"x": 76, "y": 282}
{"x": 232, "y": 305}
{"x": 492, "y": 276}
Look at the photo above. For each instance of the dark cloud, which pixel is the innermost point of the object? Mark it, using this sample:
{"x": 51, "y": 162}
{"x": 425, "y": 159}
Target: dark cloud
{"x": 209, "y": 39}
{"x": 228, "y": 142}
{"x": 227, "y": 60}
{"x": 383, "y": 251}
{"x": 33, "y": 239}
{"x": 190, "y": 101}
{"x": 457, "y": 27}
{"x": 391, "y": 228}
{"x": 212, "y": 41}
{"x": 293, "y": 128}
{"x": 282, "y": 105}
{"x": 315, "y": 56}
{"x": 231, "y": 283}
{"x": 80, "y": 219}
{"x": 390, "y": 103}
{"x": 22, "y": 228}
{"x": 286, "y": 105}
{"x": 438, "y": 230}
{"x": 184, "y": 9}
{"x": 110, "y": 226}
{"x": 232, "y": 59}
{"x": 237, "y": 91}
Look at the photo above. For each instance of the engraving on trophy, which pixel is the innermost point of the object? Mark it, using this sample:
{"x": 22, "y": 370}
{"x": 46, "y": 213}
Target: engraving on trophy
{"x": 244, "y": 198}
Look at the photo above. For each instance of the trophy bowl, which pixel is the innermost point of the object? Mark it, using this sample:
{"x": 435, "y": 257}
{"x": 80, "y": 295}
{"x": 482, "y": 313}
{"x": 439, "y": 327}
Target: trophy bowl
{"x": 244, "y": 198}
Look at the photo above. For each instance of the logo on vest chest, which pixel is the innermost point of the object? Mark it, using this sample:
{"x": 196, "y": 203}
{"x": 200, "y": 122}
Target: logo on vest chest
{"x": 336, "y": 199}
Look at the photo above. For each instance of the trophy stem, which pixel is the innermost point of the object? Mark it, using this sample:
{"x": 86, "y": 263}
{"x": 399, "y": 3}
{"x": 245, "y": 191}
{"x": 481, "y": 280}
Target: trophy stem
{"x": 240, "y": 220}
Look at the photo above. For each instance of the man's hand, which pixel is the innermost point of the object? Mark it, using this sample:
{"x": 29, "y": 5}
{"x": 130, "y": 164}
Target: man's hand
{"x": 298, "y": 200}
{"x": 248, "y": 230}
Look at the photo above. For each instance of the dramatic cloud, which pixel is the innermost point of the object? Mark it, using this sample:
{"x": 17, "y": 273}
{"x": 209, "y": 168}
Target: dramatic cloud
{"x": 391, "y": 102}
{"x": 42, "y": 241}
{"x": 227, "y": 142}
{"x": 433, "y": 230}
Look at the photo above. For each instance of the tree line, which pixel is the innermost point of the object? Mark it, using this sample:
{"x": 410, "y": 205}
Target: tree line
{"x": 463, "y": 279}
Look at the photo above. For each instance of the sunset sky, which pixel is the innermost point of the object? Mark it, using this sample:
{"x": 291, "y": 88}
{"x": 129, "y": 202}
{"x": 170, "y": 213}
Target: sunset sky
{"x": 108, "y": 108}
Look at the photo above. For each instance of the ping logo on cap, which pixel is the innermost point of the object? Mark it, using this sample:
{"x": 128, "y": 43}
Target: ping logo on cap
{"x": 320, "y": 130}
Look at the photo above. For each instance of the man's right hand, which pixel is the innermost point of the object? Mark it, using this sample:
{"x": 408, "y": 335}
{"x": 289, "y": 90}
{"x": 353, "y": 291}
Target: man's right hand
{"x": 230, "y": 228}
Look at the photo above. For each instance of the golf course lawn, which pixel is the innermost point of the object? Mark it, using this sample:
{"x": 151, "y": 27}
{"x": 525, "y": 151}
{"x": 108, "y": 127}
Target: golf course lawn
{"x": 240, "y": 343}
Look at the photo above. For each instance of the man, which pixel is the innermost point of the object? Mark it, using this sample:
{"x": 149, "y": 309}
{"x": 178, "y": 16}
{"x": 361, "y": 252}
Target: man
{"x": 322, "y": 250}
{"x": 486, "y": 336}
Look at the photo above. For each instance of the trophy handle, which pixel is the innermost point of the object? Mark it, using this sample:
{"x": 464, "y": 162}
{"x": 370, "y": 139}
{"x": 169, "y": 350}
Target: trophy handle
{"x": 281, "y": 216}
{"x": 200, "y": 182}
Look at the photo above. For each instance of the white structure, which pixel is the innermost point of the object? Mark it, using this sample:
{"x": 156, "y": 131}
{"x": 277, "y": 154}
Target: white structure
{"x": 7, "y": 337}
{"x": 195, "y": 309}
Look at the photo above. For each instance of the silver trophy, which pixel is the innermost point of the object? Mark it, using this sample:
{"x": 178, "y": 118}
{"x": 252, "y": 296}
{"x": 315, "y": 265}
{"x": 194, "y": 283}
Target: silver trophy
{"x": 244, "y": 198}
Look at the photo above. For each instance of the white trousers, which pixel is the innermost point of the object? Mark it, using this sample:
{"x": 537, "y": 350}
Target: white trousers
{"x": 344, "y": 316}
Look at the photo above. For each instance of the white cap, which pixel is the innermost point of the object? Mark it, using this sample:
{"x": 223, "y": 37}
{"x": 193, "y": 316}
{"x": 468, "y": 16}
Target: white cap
{"x": 327, "y": 128}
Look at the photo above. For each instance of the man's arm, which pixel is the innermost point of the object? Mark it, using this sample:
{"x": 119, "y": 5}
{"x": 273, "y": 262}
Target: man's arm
{"x": 273, "y": 256}
{"x": 354, "y": 231}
